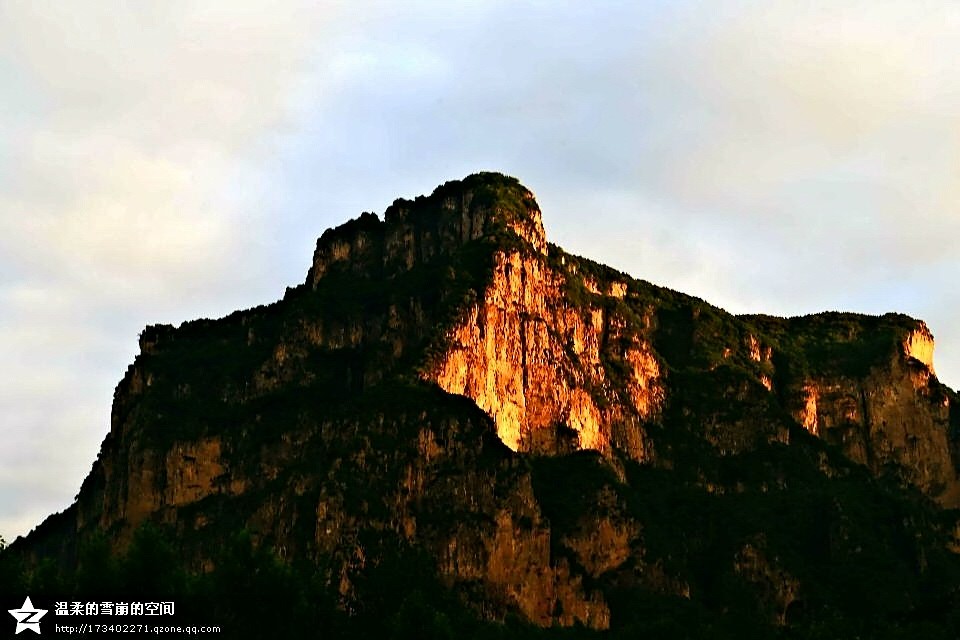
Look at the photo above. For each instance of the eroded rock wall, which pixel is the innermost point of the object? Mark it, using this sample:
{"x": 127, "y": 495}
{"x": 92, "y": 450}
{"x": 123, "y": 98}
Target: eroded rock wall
{"x": 898, "y": 414}
{"x": 532, "y": 361}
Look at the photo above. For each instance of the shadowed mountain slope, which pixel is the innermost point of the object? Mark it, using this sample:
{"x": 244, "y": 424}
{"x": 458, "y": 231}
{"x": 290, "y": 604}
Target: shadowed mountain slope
{"x": 546, "y": 438}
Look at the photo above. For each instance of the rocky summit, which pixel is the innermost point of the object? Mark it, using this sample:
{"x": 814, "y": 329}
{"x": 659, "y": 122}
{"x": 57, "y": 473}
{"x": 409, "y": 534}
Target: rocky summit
{"x": 455, "y": 426}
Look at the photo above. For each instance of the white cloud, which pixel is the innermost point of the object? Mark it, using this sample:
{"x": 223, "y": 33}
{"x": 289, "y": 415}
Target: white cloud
{"x": 127, "y": 125}
{"x": 139, "y": 112}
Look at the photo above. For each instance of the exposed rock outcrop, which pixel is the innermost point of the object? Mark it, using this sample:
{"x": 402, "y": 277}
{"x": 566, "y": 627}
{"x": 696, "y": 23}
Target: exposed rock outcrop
{"x": 534, "y": 363}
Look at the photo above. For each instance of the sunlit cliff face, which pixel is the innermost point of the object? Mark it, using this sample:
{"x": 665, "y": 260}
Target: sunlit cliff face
{"x": 919, "y": 345}
{"x": 808, "y": 413}
{"x": 532, "y": 361}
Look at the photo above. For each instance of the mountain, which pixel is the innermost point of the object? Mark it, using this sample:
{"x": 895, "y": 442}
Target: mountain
{"x": 453, "y": 417}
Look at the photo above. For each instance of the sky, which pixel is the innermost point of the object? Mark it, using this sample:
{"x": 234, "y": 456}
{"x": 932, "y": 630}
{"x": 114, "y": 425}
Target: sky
{"x": 171, "y": 160}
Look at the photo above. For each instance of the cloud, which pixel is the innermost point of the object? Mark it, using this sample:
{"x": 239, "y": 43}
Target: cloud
{"x": 126, "y": 128}
{"x": 824, "y": 117}
{"x": 137, "y": 114}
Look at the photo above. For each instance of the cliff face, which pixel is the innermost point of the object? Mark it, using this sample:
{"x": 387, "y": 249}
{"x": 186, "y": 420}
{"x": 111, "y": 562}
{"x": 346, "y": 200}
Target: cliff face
{"x": 544, "y": 428}
{"x": 887, "y": 410}
{"x": 895, "y": 416}
{"x": 534, "y": 363}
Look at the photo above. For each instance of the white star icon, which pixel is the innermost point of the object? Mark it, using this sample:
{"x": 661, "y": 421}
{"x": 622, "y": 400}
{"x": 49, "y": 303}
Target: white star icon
{"x": 27, "y": 617}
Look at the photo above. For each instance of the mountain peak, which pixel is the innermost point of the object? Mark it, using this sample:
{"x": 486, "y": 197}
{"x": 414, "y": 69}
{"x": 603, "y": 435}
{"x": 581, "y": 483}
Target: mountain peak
{"x": 483, "y": 206}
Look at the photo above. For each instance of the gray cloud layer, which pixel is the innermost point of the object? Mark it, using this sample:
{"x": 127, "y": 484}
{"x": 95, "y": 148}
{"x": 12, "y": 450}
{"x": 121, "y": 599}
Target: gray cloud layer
{"x": 172, "y": 160}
